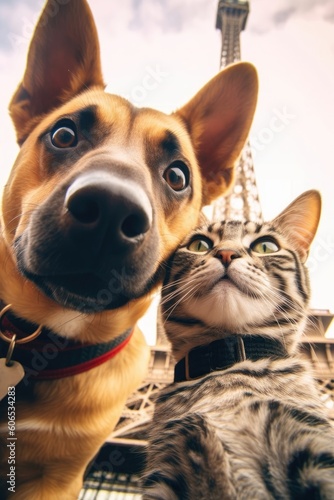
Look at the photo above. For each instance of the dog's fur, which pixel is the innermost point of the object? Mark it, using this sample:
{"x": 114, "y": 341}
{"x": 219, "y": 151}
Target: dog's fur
{"x": 61, "y": 424}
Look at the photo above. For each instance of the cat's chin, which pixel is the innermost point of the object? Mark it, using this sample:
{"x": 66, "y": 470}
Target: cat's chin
{"x": 226, "y": 307}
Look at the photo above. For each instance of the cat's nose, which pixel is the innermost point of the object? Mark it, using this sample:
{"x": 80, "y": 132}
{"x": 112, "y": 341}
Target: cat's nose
{"x": 227, "y": 256}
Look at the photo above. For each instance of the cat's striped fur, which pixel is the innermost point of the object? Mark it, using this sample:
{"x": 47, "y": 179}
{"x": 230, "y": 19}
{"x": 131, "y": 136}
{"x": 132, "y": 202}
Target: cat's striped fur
{"x": 257, "y": 430}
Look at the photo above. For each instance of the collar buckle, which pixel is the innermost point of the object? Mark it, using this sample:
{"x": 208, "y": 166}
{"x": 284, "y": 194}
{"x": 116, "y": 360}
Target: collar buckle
{"x": 186, "y": 368}
{"x": 22, "y": 340}
{"x": 241, "y": 349}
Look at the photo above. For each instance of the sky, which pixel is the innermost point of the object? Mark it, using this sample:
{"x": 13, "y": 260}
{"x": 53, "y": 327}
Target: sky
{"x": 290, "y": 42}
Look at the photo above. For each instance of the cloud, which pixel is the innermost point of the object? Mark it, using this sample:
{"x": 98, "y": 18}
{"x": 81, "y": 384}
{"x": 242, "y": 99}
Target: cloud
{"x": 283, "y": 15}
{"x": 17, "y": 22}
{"x": 151, "y": 17}
{"x": 268, "y": 15}
{"x": 166, "y": 15}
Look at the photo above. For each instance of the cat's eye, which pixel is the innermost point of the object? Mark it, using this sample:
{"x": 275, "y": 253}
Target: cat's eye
{"x": 265, "y": 247}
{"x": 177, "y": 176}
{"x": 200, "y": 245}
{"x": 64, "y": 134}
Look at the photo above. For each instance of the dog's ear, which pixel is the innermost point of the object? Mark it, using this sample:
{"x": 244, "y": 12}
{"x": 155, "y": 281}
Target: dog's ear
{"x": 63, "y": 60}
{"x": 218, "y": 119}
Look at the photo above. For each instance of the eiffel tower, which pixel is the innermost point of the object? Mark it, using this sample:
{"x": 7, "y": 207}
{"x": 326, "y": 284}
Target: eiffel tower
{"x": 118, "y": 465}
{"x": 242, "y": 203}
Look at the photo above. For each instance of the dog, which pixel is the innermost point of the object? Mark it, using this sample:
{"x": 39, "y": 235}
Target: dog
{"x": 100, "y": 195}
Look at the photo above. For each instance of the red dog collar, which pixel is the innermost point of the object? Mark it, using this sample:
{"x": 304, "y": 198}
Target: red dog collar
{"x": 50, "y": 357}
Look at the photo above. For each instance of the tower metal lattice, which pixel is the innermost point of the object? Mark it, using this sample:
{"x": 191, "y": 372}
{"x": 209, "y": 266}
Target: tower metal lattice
{"x": 242, "y": 203}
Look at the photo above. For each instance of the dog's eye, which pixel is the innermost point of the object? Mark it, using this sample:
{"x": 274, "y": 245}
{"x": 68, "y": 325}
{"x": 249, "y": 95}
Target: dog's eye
{"x": 177, "y": 176}
{"x": 64, "y": 134}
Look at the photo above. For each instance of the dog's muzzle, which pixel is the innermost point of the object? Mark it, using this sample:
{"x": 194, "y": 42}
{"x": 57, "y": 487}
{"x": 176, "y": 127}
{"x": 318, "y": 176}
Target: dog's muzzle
{"x": 92, "y": 244}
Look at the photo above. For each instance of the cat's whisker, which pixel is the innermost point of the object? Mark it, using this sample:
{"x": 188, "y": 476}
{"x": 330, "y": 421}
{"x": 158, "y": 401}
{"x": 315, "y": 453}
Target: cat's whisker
{"x": 182, "y": 298}
{"x": 174, "y": 294}
{"x": 184, "y": 286}
{"x": 174, "y": 283}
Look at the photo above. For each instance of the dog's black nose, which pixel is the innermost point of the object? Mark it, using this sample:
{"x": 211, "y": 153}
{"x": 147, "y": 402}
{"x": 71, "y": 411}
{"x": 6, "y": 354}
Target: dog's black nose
{"x": 106, "y": 209}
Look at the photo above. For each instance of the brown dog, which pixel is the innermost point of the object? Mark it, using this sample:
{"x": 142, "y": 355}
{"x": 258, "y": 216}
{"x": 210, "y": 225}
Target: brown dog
{"x": 99, "y": 196}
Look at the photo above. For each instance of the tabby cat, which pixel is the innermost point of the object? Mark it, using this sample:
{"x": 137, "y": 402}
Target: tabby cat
{"x": 243, "y": 419}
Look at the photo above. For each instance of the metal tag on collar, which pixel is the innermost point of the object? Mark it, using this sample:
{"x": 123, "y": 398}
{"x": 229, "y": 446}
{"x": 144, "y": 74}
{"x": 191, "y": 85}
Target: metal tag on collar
{"x": 11, "y": 373}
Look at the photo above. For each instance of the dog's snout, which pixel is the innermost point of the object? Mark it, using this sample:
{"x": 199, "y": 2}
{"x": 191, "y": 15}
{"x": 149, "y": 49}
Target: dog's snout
{"x": 107, "y": 207}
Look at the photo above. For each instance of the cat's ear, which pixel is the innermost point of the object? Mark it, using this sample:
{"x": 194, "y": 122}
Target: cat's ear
{"x": 218, "y": 119}
{"x": 299, "y": 221}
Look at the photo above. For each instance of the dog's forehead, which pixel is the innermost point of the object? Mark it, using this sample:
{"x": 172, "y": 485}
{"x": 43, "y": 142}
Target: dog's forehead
{"x": 151, "y": 134}
{"x": 121, "y": 118}
{"x": 162, "y": 135}
{"x": 108, "y": 108}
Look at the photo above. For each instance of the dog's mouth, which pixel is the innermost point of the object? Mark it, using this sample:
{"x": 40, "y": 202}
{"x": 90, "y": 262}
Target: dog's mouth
{"x": 113, "y": 283}
{"x": 90, "y": 293}
{"x": 86, "y": 293}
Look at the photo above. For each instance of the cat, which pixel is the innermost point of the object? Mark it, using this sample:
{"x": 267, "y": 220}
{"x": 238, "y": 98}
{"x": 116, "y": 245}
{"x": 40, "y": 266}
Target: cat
{"x": 243, "y": 419}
